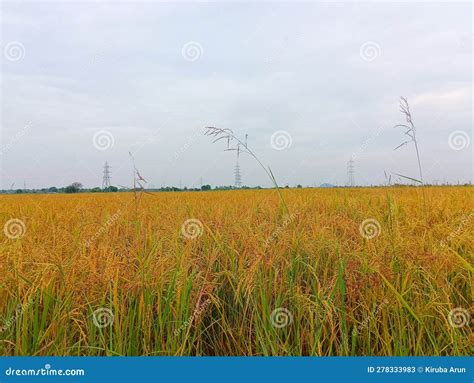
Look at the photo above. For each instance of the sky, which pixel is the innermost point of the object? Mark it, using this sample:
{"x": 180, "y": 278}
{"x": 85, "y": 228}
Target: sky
{"x": 312, "y": 84}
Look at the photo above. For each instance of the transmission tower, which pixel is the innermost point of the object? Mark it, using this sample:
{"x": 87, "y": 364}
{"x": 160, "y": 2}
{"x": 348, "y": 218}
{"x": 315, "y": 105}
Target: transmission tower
{"x": 106, "y": 178}
{"x": 238, "y": 177}
{"x": 350, "y": 173}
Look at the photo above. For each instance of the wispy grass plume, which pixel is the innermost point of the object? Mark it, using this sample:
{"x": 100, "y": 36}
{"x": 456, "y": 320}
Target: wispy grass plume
{"x": 228, "y": 135}
{"x": 410, "y": 132}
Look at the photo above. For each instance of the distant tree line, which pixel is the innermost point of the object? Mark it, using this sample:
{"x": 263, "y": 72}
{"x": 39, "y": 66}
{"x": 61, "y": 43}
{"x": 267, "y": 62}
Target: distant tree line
{"x": 77, "y": 187}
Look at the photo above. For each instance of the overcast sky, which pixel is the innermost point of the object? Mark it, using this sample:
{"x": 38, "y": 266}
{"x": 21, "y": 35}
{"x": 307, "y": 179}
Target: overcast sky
{"x": 312, "y": 84}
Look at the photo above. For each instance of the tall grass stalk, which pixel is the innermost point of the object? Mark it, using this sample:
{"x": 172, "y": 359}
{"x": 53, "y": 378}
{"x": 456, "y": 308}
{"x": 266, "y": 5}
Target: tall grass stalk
{"x": 410, "y": 132}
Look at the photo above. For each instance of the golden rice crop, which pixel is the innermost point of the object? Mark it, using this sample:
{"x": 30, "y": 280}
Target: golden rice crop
{"x": 346, "y": 272}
